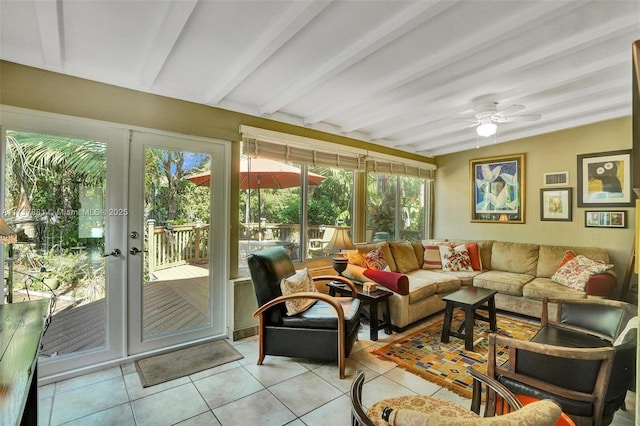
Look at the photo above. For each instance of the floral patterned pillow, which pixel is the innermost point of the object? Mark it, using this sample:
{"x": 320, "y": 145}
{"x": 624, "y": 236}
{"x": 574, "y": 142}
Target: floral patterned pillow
{"x": 577, "y": 271}
{"x": 455, "y": 258}
{"x": 375, "y": 260}
{"x": 299, "y": 282}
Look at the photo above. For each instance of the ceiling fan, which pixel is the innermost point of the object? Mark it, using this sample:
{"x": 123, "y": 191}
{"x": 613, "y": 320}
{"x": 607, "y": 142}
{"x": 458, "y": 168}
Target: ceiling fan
{"x": 487, "y": 115}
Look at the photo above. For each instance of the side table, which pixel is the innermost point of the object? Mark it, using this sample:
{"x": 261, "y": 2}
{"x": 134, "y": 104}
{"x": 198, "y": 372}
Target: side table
{"x": 372, "y": 300}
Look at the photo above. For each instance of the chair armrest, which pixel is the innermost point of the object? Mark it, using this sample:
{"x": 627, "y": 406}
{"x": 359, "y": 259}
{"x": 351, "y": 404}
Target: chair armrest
{"x": 603, "y": 354}
{"x": 345, "y": 280}
{"x": 333, "y": 301}
{"x": 493, "y": 387}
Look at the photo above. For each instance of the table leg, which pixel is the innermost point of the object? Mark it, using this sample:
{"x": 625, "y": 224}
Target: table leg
{"x": 469, "y": 314}
{"x": 373, "y": 321}
{"x": 493, "y": 324}
{"x": 446, "y": 326}
{"x": 387, "y": 316}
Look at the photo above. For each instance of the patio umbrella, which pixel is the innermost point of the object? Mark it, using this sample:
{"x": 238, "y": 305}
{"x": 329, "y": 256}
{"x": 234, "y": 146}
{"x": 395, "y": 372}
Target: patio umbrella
{"x": 263, "y": 173}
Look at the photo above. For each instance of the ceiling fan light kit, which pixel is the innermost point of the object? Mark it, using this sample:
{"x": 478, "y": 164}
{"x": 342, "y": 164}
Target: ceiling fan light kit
{"x": 486, "y": 129}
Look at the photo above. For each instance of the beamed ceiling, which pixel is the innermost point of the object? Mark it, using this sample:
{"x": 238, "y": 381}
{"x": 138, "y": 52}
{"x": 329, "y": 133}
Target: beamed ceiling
{"x": 402, "y": 74}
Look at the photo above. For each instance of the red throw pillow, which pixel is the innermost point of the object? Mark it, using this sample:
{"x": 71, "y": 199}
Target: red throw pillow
{"x": 474, "y": 255}
{"x": 394, "y": 281}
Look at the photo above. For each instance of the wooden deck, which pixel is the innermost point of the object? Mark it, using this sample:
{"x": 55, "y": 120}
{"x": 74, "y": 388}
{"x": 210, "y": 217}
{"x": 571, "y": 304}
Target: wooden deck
{"x": 176, "y": 299}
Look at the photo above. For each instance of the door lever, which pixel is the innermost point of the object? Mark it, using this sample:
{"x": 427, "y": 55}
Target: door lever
{"x": 114, "y": 253}
{"x": 135, "y": 250}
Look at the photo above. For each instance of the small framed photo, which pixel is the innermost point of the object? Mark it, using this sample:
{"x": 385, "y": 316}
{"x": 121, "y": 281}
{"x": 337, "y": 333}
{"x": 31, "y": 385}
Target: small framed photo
{"x": 605, "y": 219}
{"x": 556, "y": 204}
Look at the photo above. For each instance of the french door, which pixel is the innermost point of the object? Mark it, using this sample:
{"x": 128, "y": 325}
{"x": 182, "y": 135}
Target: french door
{"x": 176, "y": 251}
{"x": 110, "y": 228}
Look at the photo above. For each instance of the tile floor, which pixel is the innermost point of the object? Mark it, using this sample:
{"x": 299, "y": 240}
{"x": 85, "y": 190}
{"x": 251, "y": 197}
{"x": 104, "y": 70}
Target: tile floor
{"x": 283, "y": 391}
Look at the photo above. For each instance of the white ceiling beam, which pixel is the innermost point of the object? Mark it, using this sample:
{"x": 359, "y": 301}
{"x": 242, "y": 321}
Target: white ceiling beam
{"x": 529, "y": 58}
{"x": 49, "y": 19}
{"x": 527, "y": 89}
{"x": 276, "y": 36}
{"x": 400, "y": 24}
{"x": 167, "y": 35}
{"x": 491, "y": 33}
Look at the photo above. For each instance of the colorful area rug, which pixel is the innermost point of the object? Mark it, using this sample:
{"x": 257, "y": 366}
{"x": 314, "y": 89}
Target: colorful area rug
{"x": 446, "y": 364}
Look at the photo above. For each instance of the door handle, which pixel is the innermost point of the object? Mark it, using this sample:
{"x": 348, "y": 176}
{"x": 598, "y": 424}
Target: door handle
{"x": 114, "y": 253}
{"x": 135, "y": 250}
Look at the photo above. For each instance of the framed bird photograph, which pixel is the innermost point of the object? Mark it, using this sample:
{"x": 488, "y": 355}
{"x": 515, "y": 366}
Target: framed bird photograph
{"x": 604, "y": 179}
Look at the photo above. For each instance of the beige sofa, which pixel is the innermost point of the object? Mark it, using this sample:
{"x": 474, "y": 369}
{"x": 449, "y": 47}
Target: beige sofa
{"x": 520, "y": 272}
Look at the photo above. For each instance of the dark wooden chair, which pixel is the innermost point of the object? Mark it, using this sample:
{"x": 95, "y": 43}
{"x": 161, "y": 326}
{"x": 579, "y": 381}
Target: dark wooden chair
{"x": 326, "y": 331}
{"x": 572, "y": 359}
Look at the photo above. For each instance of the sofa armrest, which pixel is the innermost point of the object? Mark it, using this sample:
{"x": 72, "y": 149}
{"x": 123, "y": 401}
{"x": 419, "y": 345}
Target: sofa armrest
{"x": 394, "y": 281}
{"x": 601, "y": 284}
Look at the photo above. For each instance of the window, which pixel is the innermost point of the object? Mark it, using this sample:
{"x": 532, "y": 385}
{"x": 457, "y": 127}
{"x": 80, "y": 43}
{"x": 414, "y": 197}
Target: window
{"x": 395, "y": 207}
{"x": 303, "y": 213}
{"x": 271, "y": 213}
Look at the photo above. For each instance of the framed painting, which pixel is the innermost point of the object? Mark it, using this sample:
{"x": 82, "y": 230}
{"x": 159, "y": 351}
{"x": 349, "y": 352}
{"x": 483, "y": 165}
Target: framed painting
{"x": 497, "y": 189}
{"x": 605, "y": 219}
{"x": 555, "y": 204}
{"x": 604, "y": 179}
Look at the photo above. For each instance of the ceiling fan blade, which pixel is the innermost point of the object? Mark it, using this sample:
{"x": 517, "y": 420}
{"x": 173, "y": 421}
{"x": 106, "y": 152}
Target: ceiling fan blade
{"x": 509, "y": 110}
{"x": 512, "y": 118}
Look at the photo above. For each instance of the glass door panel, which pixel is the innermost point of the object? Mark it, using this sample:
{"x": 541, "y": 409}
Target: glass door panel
{"x": 172, "y": 284}
{"x": 58, "y": 197}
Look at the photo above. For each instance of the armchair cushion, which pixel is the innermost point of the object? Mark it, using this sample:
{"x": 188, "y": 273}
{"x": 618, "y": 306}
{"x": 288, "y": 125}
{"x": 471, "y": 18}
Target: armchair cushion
{"x": 322, "y": 315}
{"x": 297, "y": 283}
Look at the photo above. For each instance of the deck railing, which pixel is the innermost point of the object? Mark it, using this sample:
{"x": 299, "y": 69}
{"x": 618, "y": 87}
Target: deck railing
{"x": 176, "y": 245}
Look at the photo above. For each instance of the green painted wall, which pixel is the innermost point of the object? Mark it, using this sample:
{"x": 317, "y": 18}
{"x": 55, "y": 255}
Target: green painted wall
{"x": 550, "y": 152}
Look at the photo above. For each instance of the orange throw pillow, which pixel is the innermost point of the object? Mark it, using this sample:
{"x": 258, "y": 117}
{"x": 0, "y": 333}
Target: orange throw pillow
{"x": 474, "y": 255}
{"x": 567, "y": 257}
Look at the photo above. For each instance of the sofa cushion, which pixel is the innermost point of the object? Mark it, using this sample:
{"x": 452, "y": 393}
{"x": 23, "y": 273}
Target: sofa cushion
{"x": 519, "y": 258}
{"x": 504, "y": 282}
{"x": 394, "y": 281}
{"x": 382, "y": 245}
{"x": 465, "y": 277}
{"x": 356, "y": 258}
{"x": 404, "y": 256}
{"x": 576, "y": 272}
{"x": 474, "y": 255}
{"x": 375, "y": 259}
{"x": 550, "y": 257}
{"x": 541, "y": 287}
{"x": 431, "y": 258}
{"x": 455, "y": 258}
{"x": 354, "y": 272}
{"x": 444, "y": 282}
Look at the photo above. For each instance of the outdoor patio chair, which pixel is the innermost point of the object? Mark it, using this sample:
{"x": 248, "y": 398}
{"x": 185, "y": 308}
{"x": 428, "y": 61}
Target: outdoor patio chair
{"x": 582, "y": 359}
{"x": 325, "y": 331}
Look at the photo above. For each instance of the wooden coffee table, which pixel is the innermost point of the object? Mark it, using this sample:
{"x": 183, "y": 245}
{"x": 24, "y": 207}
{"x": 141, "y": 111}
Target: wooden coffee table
{"x": 372, "y": 299}
{"x": 470, "y": 299}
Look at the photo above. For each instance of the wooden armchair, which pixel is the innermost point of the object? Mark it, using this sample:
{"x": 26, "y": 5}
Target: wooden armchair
{"x": 423, "y": 410}
{"x": 326, "y": 331}
{"x": 572, "y": 359}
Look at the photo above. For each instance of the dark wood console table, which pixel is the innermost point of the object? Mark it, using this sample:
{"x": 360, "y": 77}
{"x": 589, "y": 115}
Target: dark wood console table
{"x": 21, "y": 328}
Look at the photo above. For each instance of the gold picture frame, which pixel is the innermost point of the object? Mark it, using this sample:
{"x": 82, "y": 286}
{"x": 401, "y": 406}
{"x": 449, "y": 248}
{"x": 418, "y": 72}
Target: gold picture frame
{"x": 497, "y": 189}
